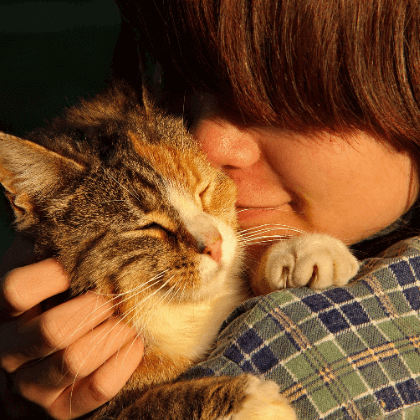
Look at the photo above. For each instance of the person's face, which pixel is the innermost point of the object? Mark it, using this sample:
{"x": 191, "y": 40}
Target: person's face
{"x": 348, "y": 187}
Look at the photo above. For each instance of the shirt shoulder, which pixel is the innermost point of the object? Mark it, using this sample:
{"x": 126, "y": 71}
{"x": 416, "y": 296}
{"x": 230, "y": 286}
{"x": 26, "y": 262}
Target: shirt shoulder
{"x": 340, "y": 353}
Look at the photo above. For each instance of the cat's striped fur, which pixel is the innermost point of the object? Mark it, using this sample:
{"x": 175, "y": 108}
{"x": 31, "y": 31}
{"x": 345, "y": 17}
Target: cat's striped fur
{"x": 123, "y": 198}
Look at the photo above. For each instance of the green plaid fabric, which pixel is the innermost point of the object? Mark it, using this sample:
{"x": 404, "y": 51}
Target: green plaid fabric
{"x": 340, "y": 353}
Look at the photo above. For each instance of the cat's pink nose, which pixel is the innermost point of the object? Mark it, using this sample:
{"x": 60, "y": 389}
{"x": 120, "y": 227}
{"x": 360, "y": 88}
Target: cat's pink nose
{"x": 213, "y": 247}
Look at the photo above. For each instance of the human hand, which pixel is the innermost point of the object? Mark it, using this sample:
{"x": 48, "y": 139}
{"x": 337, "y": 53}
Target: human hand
{"x": 70, "y": 359}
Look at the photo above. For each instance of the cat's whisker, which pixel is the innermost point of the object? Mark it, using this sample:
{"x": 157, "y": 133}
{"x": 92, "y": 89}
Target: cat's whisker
{"x": 164, "y": 304}
{"x": 124, "y": 318}
{"x": 181, "y": 293}
{"x": 171, "y": 293}
{"x": 268, "y": 229}
{"x": 126, "y": 314}
{"x": 265, "y": 241}
{"x": 258, "y": 237}
{"x": 156, "y": 291}
{"x": 265, "y": 208}
{"x": 273, "y": 226}
{"x": 142, "y": 288}
{"x": 128, "y": 322}
{"x": 142, "y": 302}
{"x": 263, "y": 235}
{"x": 135, "y": 291}
{"x": 161, "y": 299}
{"x": 138, "y": 288}
{"x": 86, "y": 357}
{"x": 128, "y": 351}
{"x": 132, "y": 193}
{"x": 79, "y": 327}
{"x": 265, "y": 238}
{"x": 270, "y": 208}
{"x": 156, "y": 277}
{"x": 115, "y": 305}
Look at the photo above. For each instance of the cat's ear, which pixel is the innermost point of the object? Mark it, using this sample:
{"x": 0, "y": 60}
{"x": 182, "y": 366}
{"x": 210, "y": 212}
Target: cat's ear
{"x": 147, "y": 102}
{"x": 152, "y": 87}
{"x": 29, "y": 171}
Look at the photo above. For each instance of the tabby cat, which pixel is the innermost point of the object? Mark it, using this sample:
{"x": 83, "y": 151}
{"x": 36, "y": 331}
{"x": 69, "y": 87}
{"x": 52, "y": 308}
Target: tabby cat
{"x": 123, "y": 198}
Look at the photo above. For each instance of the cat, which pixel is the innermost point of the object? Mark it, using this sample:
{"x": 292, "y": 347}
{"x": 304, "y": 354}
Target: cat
{"x": 121, "y": 195}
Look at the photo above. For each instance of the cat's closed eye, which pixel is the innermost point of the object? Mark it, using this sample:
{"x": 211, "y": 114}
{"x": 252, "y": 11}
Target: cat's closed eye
{"x": 205, "y": 191}
{"x": 152, "y": 225}
{"x": 150, "y": 229}
{"x": 156, "y": 227}
{"x": 201, "y": 196}
{"x": 206, "y": 197}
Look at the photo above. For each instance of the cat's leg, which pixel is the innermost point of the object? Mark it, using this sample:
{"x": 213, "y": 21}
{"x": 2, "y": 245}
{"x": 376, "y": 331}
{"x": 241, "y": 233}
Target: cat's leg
{"x": 244, "y": 397}
{"x": 315, "y": 260}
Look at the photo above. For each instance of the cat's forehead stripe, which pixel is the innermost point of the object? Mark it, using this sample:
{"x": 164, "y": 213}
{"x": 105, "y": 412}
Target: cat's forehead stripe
{"x": 198, "y": 223}
{"x": 182, "y": 201}
{"x": 169, "y": 162}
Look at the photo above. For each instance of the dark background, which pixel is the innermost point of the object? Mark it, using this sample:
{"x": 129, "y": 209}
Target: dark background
{"x": 52, "y": 53}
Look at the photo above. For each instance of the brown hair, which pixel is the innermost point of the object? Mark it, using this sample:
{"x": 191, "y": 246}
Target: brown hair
{"x": 299, "y": 64}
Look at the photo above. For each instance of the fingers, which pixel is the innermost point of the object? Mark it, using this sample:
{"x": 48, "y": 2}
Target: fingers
{"x": 74, "y": 367}
{"x": 51, "y": 331}
{"x": 88, "y": 356}
{"x": 91, "y": 392}
{"x": 23, "y": 288}
{"x": 70, "y": 359}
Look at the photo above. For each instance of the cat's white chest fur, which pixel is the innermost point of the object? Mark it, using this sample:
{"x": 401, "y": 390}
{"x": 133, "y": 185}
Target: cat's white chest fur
{"x": 188, "y": 329}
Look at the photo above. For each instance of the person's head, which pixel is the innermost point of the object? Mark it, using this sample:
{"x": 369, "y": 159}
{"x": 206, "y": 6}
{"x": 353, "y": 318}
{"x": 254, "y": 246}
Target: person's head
{"x": 312, "y": 107}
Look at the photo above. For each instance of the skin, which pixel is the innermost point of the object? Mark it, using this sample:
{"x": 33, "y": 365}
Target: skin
{"x": 67, "y": 338}
{"x": 347, "y": 186}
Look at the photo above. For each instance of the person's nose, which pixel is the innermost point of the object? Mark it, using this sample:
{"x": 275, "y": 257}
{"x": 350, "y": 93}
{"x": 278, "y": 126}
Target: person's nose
{"x": 226, "y": 145}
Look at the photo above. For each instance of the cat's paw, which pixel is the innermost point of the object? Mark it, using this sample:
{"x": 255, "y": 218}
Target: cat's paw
{"x": 315, "y": 260}
{"x": 264, "y": 402}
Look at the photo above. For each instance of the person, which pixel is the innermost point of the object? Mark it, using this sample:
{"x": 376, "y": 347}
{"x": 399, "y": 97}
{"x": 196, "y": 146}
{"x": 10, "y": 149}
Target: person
{"x": 313, "y": 108}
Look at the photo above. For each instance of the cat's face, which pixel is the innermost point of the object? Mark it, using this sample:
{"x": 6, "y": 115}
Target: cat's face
{"x": 167, "y": 222}
{"x": 150, "y": 226}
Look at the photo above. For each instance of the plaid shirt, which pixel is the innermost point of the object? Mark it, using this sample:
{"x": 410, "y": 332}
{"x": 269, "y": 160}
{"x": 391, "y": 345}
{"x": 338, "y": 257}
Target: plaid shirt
{"x": 339, "y": 353}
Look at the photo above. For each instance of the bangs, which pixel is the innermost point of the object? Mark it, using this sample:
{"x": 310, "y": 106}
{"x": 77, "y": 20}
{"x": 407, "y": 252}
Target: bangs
{"x": 298, "y": 64}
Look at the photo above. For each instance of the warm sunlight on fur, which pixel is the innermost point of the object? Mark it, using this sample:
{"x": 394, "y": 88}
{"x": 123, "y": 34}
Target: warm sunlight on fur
{"x": 124, "y": 199}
